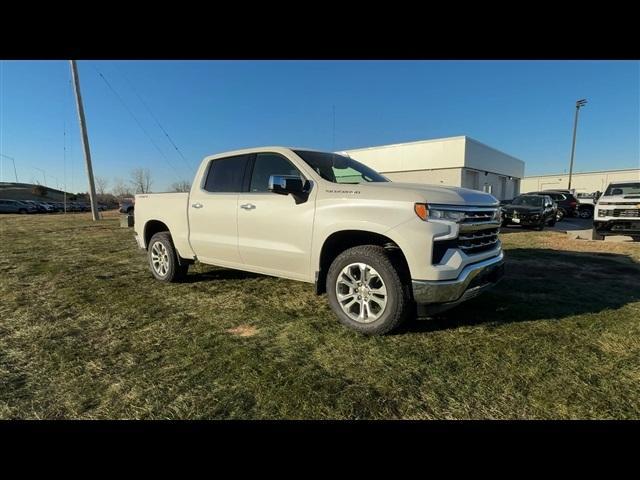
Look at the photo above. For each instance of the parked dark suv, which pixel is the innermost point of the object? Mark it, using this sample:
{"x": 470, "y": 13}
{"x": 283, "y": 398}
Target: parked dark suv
{"x": 530, "y": 211}
{"x": 567, "y": 203}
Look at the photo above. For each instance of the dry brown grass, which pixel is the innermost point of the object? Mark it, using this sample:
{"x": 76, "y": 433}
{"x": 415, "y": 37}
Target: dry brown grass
{"x": 85, "y": 332}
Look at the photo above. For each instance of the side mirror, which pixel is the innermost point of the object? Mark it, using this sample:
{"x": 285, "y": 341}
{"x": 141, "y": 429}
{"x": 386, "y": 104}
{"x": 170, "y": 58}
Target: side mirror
{"x": 286, "y": 184}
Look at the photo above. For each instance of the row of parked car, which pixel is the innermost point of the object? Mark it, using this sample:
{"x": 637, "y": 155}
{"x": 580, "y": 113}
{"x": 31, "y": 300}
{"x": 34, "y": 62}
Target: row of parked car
{"x": 538, "y": 209}
{"x": 614, "y": 212}
{"x": 33, "y": 206}
{"x": 568, "y": 205}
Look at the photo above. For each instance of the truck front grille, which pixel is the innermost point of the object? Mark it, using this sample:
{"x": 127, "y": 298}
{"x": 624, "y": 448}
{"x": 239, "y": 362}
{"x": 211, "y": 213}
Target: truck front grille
{"x": 471, "y": 243}
{"x": 478, "y": 241}
{"x": 478, "y": 232}
{"x": 479, "y": 216}
{"x": 626, "y": 212}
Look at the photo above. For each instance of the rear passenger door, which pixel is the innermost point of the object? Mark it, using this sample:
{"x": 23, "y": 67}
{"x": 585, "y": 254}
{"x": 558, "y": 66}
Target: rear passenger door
{"x": 213, "y": 211}
{"x": 274, "y": 230}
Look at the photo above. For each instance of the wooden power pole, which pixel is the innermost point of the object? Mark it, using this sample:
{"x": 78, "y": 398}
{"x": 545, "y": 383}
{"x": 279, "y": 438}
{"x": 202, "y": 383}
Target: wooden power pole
{"x": 85, "y": 140}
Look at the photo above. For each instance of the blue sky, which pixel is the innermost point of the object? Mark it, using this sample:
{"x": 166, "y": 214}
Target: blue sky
{"x": 524, "y": 108}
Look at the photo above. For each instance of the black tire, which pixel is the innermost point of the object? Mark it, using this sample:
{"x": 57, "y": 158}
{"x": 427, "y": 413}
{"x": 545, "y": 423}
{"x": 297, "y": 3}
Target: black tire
{"x": 539, "y": 227}
{"x": 399, "y": 304}
{"x": 552, "y": 222}
{"x": 174, "y": 271}
{"x": 585, "y": 213}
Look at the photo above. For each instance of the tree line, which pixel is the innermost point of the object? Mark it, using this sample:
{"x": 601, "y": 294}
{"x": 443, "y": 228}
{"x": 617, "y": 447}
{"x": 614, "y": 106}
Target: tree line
{"x": 140, "y": 181}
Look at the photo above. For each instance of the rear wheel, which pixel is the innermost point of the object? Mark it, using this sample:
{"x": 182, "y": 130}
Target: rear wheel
{"x": 163, "y": 259}
{"x": 366, "y": 291}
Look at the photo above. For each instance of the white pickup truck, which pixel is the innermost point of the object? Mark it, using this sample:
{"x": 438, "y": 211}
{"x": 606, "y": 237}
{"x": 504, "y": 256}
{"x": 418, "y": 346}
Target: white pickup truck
{"x": 377, "y": 248}
{"x": 617, "y": 211}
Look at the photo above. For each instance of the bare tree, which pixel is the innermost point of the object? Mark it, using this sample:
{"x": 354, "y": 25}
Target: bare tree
{"x": 120, "y": 188}
{"x": 141, "y": 180}
{"x": 102, "y": 183}
{"x": 181, "y": 186}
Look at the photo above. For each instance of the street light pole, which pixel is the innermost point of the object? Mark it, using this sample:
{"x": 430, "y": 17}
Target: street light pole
{"x": 579, "y": 103}
{"x": 44, "y": 175}
{"x": 14, "y": 164}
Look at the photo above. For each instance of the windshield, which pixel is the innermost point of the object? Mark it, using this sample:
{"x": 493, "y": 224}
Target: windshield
{"x": 338, "y": 168}
{"x": 528, "y": 201}
{"x": 623, "y": 189}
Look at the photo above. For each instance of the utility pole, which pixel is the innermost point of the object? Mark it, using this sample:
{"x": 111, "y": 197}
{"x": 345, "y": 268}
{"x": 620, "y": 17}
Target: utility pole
{"x": 85, "y": 140}
{"x": 579, "y": 103}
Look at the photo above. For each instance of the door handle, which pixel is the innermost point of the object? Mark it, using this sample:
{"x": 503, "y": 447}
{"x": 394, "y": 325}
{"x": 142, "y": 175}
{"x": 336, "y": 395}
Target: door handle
{"x": 196, "y": 205}
{"x": 248, "y": 206}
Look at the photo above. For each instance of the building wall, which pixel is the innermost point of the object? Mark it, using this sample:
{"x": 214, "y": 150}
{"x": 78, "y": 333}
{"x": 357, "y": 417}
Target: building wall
{"x": 457, "y": 161}
{"x": 445, "y": 176}
{"x": 586, "y": 182}
{"x": 413, "y": 156}
{"x": 500, "y": 186}
{"x": 482, "y": 157}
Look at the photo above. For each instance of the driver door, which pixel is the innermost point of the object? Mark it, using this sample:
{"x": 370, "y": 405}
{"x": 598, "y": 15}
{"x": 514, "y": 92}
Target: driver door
{"x": 274, "y": 230}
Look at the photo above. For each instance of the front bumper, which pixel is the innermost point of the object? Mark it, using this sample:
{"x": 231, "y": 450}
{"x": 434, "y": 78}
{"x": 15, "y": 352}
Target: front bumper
{"x": 618, "y": 226}
{"x": 526, "y": 220}
{"x": 473, "y": 279}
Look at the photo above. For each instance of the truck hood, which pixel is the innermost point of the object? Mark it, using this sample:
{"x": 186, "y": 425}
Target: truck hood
{"x": 631, "y": 199}
{"x": 419, "y": 192}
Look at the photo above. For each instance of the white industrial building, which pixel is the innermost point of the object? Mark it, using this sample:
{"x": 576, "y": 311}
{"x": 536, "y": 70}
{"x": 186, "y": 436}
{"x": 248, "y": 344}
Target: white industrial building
{"x": 583, "y": 182}
{"x": 457, "y": 161}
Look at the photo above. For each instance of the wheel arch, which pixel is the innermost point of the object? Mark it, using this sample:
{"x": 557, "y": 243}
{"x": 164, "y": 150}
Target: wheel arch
{"x": 156, "y": 226}
{"x": 151, "y": 228}
{"x": 341, "y": 240}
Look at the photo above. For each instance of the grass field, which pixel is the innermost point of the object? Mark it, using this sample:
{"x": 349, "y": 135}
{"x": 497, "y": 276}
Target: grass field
{"x": 85, "y": 332}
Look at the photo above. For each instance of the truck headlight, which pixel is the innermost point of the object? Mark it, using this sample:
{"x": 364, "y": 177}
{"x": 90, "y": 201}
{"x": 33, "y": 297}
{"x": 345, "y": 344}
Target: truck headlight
{"x": 425, "y": 212}
{"x": 450, "y": 215}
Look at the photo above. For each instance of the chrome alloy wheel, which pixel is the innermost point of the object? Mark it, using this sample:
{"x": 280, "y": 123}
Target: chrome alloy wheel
{"x": 361, "y": 293}
{"x": 160, "y": 258}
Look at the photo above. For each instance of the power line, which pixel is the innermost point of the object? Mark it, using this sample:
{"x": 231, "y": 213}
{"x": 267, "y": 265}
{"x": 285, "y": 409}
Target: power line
{"x": 154, "y": 118}
{"x": 135, "y": 118}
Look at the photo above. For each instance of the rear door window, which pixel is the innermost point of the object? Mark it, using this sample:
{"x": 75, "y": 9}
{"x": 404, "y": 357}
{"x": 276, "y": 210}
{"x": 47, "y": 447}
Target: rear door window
{"x": 226, "y": 174}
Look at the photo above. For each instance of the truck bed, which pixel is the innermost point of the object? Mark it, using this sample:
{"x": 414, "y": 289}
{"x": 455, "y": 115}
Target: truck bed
{"x": 170, "y": 209}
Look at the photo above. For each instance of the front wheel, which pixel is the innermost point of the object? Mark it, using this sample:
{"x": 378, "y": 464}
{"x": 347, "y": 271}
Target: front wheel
{"x": 366, "y": 291}
{"x": 595, "y": 235}
{"x": 163, "y": 259}
{"x": 585, "y": 213}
